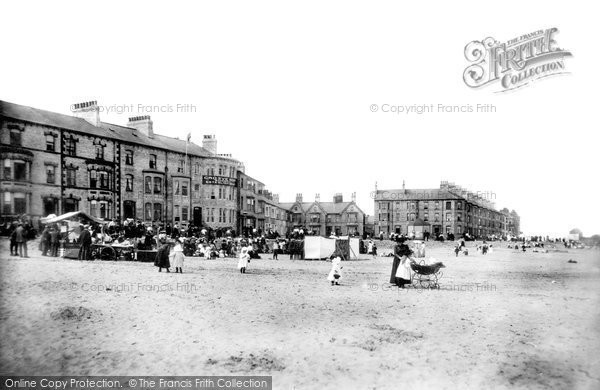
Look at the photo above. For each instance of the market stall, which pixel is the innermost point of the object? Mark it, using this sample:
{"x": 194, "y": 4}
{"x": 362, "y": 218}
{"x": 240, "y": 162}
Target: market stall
{"x": 69, "y": 226}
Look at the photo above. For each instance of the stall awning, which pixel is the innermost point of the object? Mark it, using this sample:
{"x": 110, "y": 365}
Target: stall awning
{"x": 72, "y": 215}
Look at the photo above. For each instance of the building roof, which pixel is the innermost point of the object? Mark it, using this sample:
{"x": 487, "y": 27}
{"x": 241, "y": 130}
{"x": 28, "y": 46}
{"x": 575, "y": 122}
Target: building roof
{"x": 104, "y": 130}
{"x": 327, "y": 207}
{"x": 415, "y": 194}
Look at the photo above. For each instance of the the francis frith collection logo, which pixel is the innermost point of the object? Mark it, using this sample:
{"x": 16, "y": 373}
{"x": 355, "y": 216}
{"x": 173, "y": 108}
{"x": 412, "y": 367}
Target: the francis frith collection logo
{"x": 516, "y": 62}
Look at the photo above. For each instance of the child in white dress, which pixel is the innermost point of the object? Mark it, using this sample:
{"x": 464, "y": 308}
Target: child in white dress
{"x": 244, "y": 260}
{"x": 335, "y": 275}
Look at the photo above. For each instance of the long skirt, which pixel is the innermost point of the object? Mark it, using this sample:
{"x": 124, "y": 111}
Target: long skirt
{"x": 394, "y": 269}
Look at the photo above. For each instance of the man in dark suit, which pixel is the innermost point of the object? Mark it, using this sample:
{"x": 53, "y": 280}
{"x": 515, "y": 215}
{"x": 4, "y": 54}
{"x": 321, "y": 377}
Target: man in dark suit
{"x": 85, "y": 240}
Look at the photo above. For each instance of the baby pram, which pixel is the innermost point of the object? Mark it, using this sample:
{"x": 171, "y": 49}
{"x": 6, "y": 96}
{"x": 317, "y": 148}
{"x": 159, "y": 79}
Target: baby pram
{"x": 426, "y": 275}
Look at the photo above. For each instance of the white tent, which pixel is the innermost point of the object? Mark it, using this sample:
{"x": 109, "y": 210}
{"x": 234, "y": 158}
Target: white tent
{"x": 316, "y": 247}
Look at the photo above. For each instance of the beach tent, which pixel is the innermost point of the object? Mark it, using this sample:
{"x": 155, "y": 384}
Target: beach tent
{"x": 316, "y": 247}
{"x": 74, "y": 215}
{"x": 348, "y": 247}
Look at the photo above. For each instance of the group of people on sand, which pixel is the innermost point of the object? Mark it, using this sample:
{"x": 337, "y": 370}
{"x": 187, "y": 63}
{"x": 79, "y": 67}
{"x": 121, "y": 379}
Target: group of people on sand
{"x": 170, "y": 254}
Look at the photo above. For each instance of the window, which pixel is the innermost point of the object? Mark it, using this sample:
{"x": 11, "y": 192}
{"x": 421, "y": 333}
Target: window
{"x": 129, "y": 183}
{"x": 426, "y": 217}
{"x": 152, "y": 162}
{"x": 50, "y": 143}
{"x": 459, "y": 217}
{"x": 148, "y": 185}
{"x": 70, "y": 205}
{"x": 20, "y": 203}
{"x": 184, "y": 189}
{"x": 129, "y": 209}
{"x": 71, "y": 176}
{"x": 448, "y": 205}
{"x": 100, "y": 152}
{"x": 104, "y": 180}
{"x": 176, "y": 213}
{"x": 148, "y": 211}
{"x": 180, "y": 167}
{"x": 212, "y": 193}
{"x": 70, "y": 147}
{"x": 7, "y": 204}
{"x": 50, "y": 174}
{"x": 93, "y": 179}
{"x": 448, "y": 217}
{"x": 176, "y": 191}
{"x": 436, "y": 217}
{"x": 15, "y": 137}
{"x": 157, "y": 211}
{"x": 93, "y": 208}
{"x": 129, "y": 157}
{"x": 196, "y": 168}
{"x": 157, "y": 185}
{"x": 459, "y": 205}
{"x": 7, "y": 174}
{"x": 412, "y": 217}
{"x": 20, "y": 171}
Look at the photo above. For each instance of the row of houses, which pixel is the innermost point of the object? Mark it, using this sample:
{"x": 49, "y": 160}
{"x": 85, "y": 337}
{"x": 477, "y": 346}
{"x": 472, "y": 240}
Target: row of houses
{"x": 449, "y": 209}
{"x": 55, "y": 163}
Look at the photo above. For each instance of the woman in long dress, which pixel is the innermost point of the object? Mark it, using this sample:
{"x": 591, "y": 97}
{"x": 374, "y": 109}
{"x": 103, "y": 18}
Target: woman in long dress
{"x": 162, "y": 257}
{"x": 401, "y": 249}
{"x": 403, "y": 274}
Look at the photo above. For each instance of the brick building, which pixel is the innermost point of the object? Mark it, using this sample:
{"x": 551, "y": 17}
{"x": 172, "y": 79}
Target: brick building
{"x": 445, "y": 210}
{"x": 258, "y": 208}
{"x": 55, "y": 163}
{"x": 325, "y": 218}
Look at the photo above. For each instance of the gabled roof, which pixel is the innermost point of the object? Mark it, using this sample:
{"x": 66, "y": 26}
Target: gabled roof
{"x": 105, "y": 130}
{"x": 326, "y": 207}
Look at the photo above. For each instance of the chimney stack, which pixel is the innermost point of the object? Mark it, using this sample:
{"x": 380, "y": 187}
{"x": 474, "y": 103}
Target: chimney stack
{"x": 338, "y": 198}
{"x": 317, "y": 197}
{"x": 276, "y": 198}
{"x": 88, "y": 111}
{"x": 299, "y": 198}
{"x": 354, "y": 197}
{"x": 209, "y": 142}
{"x": 143, "y": 124}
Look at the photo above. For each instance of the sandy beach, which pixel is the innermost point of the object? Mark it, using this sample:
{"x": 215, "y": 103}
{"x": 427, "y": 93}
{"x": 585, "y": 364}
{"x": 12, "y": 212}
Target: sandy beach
{"x": 507, "y": 319}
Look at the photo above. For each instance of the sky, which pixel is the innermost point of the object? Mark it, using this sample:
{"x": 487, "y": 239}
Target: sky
{"x": 287, "y": 88}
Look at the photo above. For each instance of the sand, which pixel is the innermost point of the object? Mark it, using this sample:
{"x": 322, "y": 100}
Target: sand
{"x": 508, "y": 319}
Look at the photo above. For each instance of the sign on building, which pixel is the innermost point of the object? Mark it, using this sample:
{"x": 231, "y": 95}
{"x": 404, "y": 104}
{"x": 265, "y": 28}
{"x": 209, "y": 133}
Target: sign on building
{"x": 219, "y": 180}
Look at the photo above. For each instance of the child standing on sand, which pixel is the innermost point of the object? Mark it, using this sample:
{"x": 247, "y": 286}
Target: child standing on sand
{"x": 178, "y": 257}
{"x": 336, "y": 270}
{"x": 244, "y": 260}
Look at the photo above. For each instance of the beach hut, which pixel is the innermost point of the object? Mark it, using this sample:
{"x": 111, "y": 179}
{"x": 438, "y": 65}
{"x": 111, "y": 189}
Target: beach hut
{"x": 417, "y": 227}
